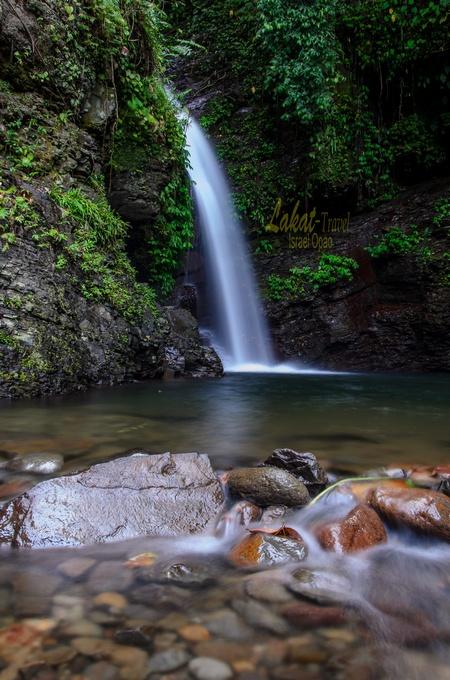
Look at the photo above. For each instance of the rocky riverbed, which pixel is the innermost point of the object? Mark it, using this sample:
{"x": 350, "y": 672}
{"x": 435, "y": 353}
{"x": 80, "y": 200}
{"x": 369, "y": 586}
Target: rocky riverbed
{"x": 282, "y": 570}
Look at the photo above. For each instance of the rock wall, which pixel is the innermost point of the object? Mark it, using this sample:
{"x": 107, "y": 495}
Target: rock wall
{"x": 393, "y": 315}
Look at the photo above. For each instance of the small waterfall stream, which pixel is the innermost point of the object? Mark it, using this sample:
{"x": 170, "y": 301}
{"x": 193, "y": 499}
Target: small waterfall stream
{"x": 240, "y": 332}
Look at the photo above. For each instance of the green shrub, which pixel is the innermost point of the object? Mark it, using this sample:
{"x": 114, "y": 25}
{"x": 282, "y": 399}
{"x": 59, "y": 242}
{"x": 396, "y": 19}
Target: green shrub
{"x": 398, "y": 242}
{"x": 302, "y": 280}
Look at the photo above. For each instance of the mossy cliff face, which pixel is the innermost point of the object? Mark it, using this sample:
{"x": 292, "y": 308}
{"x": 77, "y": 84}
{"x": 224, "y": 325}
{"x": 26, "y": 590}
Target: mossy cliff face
{"x": 82, "y": 108}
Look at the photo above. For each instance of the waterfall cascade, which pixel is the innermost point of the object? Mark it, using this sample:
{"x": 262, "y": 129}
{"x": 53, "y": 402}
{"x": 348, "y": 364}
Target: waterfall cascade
{"x": 240, "y": 332}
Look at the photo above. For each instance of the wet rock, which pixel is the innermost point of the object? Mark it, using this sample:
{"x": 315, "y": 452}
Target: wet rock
{"x": 204, "y": 668}
{"x": 67, "y": 608}
{"x": 422, "y": 510}
{"x": 109, "y": 576}
{"x": 263, "y": 548}
{"x": 110, "y": 600}
{"x": 224, "y": 650}
{"x": 169, "y": 660}
{"x": 194, "y": 633}
{"x": 267, "y": 590}
{"x": 267, "y": 486}
{"x": 37, "y": 463}
{"x": 227, "y": 624}
{"x": 156, "y": 595}
{"x": 80, "y": 628}
{"x": 141, "y": 494}
{"x": 259, "y": 616}
{"x": 136, "y": 637}
{"x": 274, "y": 514}
{"x": 360, "y": 529}
{"x": 303, "y": 465}
{"x": 76, "y": 567}
{"x": 189, "y": 574}
{"x": 132, "y": 661}
{"x": 305, "y": 615}
{"x": 36, "y": 582}
{"x": 322, "y": 587}
{"x": 242, "y": 514}
{"x": 101, "y": 671}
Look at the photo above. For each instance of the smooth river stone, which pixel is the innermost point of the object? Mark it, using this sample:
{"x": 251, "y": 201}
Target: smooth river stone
{"x": 267, "y": 486}
{"x": 138, "y": 495}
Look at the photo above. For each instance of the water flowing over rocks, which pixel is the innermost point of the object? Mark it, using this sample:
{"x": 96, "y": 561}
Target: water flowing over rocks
{"x": 160, "y": 495}
{"x": 267, "y": 486}
{"x": 304, "y": 466}
{"x": 424, "y": 511}
{"x": 265, "y": 548}
{"x": 360, "y": 529}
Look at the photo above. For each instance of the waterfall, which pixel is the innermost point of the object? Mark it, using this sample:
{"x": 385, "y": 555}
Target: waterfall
{"x": 239, "y": 330}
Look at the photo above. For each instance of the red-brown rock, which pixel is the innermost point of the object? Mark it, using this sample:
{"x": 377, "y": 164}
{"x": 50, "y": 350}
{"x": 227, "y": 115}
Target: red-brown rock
{"x": 360, "y": 529}
{"x": 421, "y": 509}
{"x": 265, "y": 547}
{"x": 305, "y": 615}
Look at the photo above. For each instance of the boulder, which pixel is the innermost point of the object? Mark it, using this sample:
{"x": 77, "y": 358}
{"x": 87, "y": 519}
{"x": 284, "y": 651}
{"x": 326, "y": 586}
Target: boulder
{"x": 264, "y": 548}
{"x": 360, "y": 529}
{"x": 267, "y": 486}
{"x": 420, "y": 509}
{"x": 138, "y": 495}
{"x": 304, "y": 466}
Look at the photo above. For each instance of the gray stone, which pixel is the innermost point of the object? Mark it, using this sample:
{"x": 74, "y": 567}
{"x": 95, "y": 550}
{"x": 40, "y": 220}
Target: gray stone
{"x": 227, "y": 624}
{"x": 267, "y": 486}
{"x": 267, "y": 590}
{"x": 168, "y": 660}
{"x": 109, "y": 576}
{"x": 205, "y": 668}
{"x": 258, "y": 616}
{"x": 138, "y": 495}
{"x": 76, "y": 567}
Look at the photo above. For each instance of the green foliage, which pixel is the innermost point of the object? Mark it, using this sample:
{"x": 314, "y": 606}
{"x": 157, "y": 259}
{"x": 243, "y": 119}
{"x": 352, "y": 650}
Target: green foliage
{"x": 442, "y": 216}
{"x": 172, "y": 233}
{"x": 302, "y": 280}
{"x": 303, "y": 51}
{"x": 94, "y": 217}
{"x": 17, "y": 214}
{"x": 398, "y": 242}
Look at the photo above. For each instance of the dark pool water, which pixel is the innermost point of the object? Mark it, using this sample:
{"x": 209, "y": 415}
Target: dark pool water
{"x": 358, "y": 421}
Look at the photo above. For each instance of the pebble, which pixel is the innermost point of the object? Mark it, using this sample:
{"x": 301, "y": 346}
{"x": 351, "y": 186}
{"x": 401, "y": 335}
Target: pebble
{"x": 81, "y": 628}
{"x": 67, "y": 608}
{"x": 267, "y": 590}
{"x": 102, "y": 670}
{"x": 224, "y": 650}
{"x": 76, "y": 567}
{"x": 111, "y": 600}
{"x": 259, "y": 616}
{"x": 307, "y": 615}
{"x": 204, "y": 668}
{"x": 109, "y": 576}
{"x": 194, "y": 633}
{"x": 168, "y": 660}
{"x": 227, "y": 624}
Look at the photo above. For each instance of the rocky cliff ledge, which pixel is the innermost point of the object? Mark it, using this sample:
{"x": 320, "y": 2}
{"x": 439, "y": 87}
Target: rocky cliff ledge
{"x": 84, "y": 122}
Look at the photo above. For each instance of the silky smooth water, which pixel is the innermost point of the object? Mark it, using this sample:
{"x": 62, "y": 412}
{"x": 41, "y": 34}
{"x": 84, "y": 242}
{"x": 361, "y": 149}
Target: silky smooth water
{"x": 239, "y": 328}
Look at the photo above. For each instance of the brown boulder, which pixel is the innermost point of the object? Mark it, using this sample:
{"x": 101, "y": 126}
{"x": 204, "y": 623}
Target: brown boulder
{"x": 360, "y": 529}
{"x": 420, "y": 509}
{"x": 265, "y": 547}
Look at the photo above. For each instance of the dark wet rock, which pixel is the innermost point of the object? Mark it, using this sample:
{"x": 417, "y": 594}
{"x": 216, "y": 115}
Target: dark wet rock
{"x": 361, "y": 528}
{"x": 423, "y": 510}
{"x": 259, "y": 616}
{"x": 306, "y": 615}
{"x": 136, "y": 637}
{"x": 189, "y": 573}
{"x": 267, "y": 486}
{"x": 322, "y": 587}
{"x": 303, "y": 465}
{"x": 158, "y": 595}
{"x": 206, "y": 668}
{"x": 138, "y": 495}
{"x": 169, "y": 660}
{"x": 37, "y": 463}
{"x": 264, "y": 548}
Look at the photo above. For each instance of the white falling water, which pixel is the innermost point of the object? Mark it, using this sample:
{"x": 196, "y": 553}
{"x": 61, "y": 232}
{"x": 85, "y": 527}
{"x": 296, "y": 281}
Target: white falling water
{"x": 241, "y": 336}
